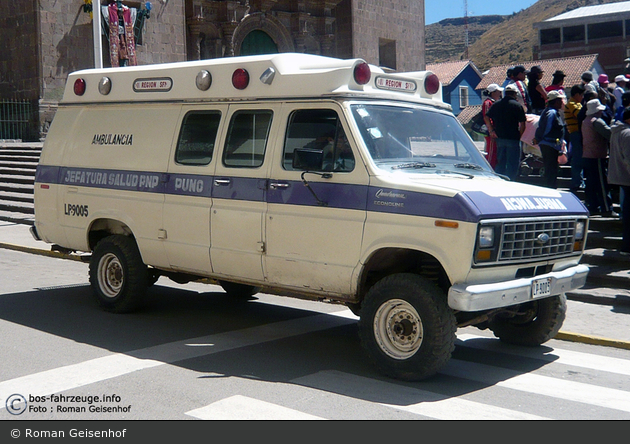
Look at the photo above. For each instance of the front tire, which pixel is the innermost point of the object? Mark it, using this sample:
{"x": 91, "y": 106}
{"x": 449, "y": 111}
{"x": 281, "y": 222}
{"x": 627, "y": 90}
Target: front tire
{"x": 406, "y": 327}
{"x": 118, "y": 276}
{"x": 535, "y": 322}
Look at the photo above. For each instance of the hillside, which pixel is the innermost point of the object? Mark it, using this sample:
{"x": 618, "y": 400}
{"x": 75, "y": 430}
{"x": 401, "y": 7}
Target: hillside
{"x": 495, "y": 40}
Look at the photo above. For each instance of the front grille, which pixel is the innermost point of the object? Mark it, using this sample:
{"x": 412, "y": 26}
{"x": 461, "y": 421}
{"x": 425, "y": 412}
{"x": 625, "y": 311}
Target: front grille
{"x": 528, "y": 239}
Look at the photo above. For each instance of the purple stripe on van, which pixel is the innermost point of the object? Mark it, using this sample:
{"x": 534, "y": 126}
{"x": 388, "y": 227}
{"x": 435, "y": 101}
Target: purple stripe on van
{"x": 47, "y": 174}
{"x": 333, "y": 195}
{"x": 471, "y": 206}
{"x": 390, "y": 200}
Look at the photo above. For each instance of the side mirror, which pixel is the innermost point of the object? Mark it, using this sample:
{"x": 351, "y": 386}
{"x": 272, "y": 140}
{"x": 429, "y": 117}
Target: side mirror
{"x": 305, "y": 159}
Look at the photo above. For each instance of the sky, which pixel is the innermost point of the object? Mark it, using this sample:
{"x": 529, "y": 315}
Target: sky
{"x": 436, "y": 10}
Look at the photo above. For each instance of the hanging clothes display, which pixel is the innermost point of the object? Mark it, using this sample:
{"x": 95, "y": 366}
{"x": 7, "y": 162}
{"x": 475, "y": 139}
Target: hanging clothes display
{"x": 122, "y": 47}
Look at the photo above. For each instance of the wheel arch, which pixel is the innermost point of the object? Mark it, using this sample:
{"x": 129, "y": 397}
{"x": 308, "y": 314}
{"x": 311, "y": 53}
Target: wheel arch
{"x": 103, "y": 227}
{"x": 389, "y": 260}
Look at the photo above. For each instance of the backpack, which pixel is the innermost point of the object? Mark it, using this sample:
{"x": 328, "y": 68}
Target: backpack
{"x": 478, "y": 124}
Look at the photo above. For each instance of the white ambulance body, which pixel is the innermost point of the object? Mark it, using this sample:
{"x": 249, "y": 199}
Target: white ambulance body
{"x": 310, "y": 177}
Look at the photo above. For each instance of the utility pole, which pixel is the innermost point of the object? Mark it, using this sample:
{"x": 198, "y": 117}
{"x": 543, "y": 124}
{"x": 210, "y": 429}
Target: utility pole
{"x": 96, "y": 32}
{"x": 465, "y": 29}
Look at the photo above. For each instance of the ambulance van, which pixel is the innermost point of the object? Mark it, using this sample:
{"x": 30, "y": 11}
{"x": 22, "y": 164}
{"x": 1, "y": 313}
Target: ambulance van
{"x": 310, "y": 177}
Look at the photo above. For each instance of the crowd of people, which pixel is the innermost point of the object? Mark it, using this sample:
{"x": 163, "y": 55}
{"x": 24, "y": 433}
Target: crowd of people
{"x": 590, "y": 130}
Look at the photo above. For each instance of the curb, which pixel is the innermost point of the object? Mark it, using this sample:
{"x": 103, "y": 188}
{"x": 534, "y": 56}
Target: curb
{"x": 593, "y": 340}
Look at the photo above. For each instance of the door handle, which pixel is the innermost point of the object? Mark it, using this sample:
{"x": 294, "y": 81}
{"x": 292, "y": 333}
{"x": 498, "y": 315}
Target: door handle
{"x": 221, "y": 182}
{"x": 278, "y": 185}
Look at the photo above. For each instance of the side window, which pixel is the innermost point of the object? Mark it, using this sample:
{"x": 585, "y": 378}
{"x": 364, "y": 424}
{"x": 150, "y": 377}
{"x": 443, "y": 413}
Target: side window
{"x": 247, "y": 139}
{"x": 317, "y": 136}
{"x": 197, "y": 138}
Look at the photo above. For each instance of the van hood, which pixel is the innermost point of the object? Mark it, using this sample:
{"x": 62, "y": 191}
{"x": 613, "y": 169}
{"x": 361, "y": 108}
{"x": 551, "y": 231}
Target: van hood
{"x": 470, "y": 200}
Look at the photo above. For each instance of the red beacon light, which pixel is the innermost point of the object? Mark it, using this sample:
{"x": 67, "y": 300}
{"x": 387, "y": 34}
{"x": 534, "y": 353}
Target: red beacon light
{"x": 431, "y": 84}
{"x": 362, "y": 73}
{"x": 240, "y": 79}
{"x": 79, "y": 87}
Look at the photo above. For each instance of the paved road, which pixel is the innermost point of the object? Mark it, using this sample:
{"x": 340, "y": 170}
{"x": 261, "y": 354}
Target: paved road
{"x": 194, "y": 353}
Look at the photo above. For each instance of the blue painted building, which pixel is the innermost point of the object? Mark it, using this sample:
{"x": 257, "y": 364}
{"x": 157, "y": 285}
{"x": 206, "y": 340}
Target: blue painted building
{"x": 459, "y": 80}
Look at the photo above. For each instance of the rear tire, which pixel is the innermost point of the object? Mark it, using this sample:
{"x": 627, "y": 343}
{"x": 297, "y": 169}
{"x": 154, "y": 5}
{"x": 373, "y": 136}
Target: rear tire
{"x": 535, "y": 323}
{"x": 406, "y": 327}
{"x": 118, "y": 276}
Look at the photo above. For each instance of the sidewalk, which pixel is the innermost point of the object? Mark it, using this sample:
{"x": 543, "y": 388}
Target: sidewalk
{"x": 595, "y": 316}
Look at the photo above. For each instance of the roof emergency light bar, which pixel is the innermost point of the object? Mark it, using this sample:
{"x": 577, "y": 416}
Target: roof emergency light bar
{"x": 285, "y": 75}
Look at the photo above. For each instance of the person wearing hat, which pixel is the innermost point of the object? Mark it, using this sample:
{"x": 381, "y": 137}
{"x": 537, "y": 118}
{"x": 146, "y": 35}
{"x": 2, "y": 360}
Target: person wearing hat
{"x": 595, "y": 137}
{"x": 557, "y": 81}
{"x": 606, "y": 97}
{"x": 588, "y": 81}
{"x": 519, "y": 73}
{"x": 506, "y": 125}
{"x": 535, "y": 89}
{"x": 619, "y": 173}
{"x": 620, "y": 88}
{"x": 550, "y": 137}
{"x": 571, "y": 112}
{"x": 493, "y": 93}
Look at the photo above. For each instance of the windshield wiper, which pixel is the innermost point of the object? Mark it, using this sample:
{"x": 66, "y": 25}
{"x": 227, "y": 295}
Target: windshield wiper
{"x": 413, "y": 165}
{"x": 470, "y": 166}
{"x": 469, "y": 176}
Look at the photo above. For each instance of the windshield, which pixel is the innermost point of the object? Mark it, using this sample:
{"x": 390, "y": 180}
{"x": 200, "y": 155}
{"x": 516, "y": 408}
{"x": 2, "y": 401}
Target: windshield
{"x": 416, "y": 140}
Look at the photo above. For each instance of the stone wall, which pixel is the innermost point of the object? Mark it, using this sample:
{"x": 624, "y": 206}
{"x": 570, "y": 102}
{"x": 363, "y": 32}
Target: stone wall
{"x": 378, "y": 22}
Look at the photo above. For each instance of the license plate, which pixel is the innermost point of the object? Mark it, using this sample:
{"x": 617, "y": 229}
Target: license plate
{"x": 541, "y": 287}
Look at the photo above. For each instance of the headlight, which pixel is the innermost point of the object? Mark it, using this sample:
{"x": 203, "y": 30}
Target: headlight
{"x": 486, "y": 237}
{"x": 579, "y": 229}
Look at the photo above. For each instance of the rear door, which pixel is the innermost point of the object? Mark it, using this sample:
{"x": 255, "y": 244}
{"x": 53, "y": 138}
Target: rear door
{"x": 188, "y": 188}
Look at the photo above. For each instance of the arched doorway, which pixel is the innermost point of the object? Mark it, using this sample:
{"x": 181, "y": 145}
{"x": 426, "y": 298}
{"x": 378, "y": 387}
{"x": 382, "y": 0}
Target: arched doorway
{"x": 258, "y": 42}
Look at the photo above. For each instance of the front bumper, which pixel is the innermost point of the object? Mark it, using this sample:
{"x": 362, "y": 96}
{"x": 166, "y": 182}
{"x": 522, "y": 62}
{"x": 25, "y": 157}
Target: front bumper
{"x": 478, "y": 297}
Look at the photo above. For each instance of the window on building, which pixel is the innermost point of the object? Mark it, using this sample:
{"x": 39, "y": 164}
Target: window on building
{"x": 247, "y": 139}
{"x": 197, "y": 138}
{"x": 387, "y": 53}
{"x": 549, "y": 36}
{"x": 463, "y": 96}
{"x": 605, "y": 30}
{"x": 574, "y": 33}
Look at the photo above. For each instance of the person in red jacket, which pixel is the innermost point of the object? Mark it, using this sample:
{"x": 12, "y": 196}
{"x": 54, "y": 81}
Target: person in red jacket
{"x": 493, "y": 93}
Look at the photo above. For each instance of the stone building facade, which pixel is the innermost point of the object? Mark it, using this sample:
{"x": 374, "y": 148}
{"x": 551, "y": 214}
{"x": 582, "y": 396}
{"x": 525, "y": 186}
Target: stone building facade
{"x": 55, "y": 37}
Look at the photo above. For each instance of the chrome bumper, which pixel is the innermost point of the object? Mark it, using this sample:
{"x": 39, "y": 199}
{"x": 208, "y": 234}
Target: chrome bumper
{"x": 478, "y": 297}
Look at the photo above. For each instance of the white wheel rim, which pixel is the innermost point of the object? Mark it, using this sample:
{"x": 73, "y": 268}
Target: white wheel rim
{"x": 110, "y": 275}
{"x": 398, "y": 329}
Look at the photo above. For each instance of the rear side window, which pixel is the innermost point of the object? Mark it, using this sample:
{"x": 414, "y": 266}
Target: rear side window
{"x": 246, "y": 140}
{"x": 317, "y": 133}
{"x": 197, "y": 138}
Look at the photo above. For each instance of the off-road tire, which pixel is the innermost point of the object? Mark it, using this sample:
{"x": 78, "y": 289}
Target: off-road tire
{"x": 406, "y": 327}
{"x": 118, "y": 276}
{"x": 537, "y": 322}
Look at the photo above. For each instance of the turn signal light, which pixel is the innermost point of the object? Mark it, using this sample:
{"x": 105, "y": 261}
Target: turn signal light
{"x": 240, "y": 79}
